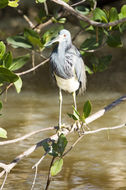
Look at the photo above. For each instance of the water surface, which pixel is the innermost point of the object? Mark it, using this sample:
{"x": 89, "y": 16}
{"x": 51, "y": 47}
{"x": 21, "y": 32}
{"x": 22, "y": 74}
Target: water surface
{"x": 96, "y": 163}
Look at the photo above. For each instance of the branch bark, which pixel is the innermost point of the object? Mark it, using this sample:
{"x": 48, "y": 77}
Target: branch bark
{"x": 67, "y": 130}
{"x": 85, "y": 18}
{"x": 33, "y": 68}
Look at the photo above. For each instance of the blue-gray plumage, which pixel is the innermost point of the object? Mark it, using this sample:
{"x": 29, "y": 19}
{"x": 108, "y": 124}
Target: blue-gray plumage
{"x": 67, "y": 67}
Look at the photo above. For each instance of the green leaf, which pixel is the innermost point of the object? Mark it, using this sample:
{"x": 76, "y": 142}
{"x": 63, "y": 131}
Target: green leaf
{"x": 66, "y": 1}
{"x": 87, "y": 109}
{"x": 123, "y": 10}
{"x": 8, "y": 59}
{"x": 100, "y": 15}
{"x": 91, "y": 43}
{"x": 88, "y": 70}
{"x": 3, "y": 3}
{"x": 122, "y": 27}
{"x": 72, "y": 116}
{"x": 3, "y": 133}
{"x": 19, "y": 41}
{"x": 82, "y": 9}
{"x": 113, "y": 14}
{"x": 48, "y": 148}
{"x": 61, "y": 144}
{"x": 56, "y": 167}
{"x": 114, "y": 40}
{"x": 104, "y": 62}
{"x": 19, "y": 62}
{"x": 0, "y": 105}
{"x": 40, "y": 1}
{"x": 76, "y": 113}
{"x": 51, "y": 33}
{"x": 18, "y": 85}
{"x": 33, "y": 37}
{"x": 7, "y": 76}
{"x": 98, "y": 63}
{"x": 13, "y": 3}
{"x": 62, "y": 20}
{"x": 2, "y": 49}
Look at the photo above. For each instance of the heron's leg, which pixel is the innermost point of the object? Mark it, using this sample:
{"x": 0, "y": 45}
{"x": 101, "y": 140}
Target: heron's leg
{"x": 74, "y": 99}
{"x": 60, "y": 105}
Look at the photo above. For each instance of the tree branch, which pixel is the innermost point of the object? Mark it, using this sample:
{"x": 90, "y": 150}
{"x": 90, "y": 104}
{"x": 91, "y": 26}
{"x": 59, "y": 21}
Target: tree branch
{"x": 33, "y": 68}
{"x": 85, "y": 18}
{"x": 92, "y": 132}
{"x": 49, "y": 175}
{"x": 78, "y": 3}
{"x": 26, "y": 136}
{"x": 26, "y": 18}
{"x": 67, "y": 130}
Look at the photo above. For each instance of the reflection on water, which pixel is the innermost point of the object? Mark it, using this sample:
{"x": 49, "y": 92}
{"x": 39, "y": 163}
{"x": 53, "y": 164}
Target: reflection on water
{"x": 98, "y": 162}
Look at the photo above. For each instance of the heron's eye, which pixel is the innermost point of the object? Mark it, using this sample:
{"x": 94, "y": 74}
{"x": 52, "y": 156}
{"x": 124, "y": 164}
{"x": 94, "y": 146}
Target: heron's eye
{"x": 64, "y": 35}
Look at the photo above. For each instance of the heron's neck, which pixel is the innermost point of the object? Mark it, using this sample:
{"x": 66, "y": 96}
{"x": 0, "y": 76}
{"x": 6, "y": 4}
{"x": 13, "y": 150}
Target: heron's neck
{"x": 62, "y": 48}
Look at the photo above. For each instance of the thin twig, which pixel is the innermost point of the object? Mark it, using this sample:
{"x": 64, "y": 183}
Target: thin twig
{"x": 42, "y": 26}
{"x": 95, "y": 4}
{"x": 23, "y": 73}
{"x": 49, "y": 175}
{"x": 77, "y": 34}
{"x": 73, "y": 145}
{"x": 26, "y": 18}
{"x": 92, "y": 132}
{"x": 85, "y": 18}
{"x": 32, "y": 69}
{"x": 33, "y": 184}
{"x": 78, "y": 3}
{"x": 33, "y": 59}
{"x": 4, "y": 181}
{"x": 36, "y": 168}
{"x": 26, "y": 136}
{"x": 46, "y": 8}
{"x": 41, "y": 159}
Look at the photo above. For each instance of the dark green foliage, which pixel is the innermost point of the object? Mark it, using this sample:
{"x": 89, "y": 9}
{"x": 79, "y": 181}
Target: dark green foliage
{"x": 87, "y": 109}
{"x": 82, "y": 9}
{"x": 0, "y": 105}
{"x": 7, "y": 76}
{"x": 3, "y": 3}
{"x": 100, "y": 15}
{"x": 33, "y": 38}
{"x": 113, "y": 14}
{"x": 8, "y": 65}
{"x": 56, "y": 148}
{"x": 114, "y": 40}
{"x": 99, "y": 63}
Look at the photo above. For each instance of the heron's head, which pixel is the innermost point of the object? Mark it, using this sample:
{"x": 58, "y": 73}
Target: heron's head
{"x": 64, "y": 36}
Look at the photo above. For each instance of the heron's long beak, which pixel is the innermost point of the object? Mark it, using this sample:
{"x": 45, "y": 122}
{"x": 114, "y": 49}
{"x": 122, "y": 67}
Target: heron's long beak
{"x": 57, "y": 39}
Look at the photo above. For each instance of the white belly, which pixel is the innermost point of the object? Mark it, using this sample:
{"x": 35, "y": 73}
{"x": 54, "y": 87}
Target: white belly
{"x": 70, "y": 85}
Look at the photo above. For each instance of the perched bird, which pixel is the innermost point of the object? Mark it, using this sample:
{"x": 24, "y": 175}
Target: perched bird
{"x": 67, "y": 67}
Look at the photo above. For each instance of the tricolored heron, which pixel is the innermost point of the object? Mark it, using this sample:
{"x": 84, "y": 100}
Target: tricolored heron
{"x": 67, "y": 67}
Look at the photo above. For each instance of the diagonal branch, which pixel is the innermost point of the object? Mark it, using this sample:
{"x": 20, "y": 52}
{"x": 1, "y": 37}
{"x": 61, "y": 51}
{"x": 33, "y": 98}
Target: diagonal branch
{"x": 67, "y": 130}
{"x": 85, "y": 18}
{"x": 26, "y": 136}
{"x": 33, "y": 68}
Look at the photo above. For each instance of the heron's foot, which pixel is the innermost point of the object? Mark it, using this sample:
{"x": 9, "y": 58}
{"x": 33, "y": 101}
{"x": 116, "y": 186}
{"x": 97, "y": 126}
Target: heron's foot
{"x": 81, "y": 127}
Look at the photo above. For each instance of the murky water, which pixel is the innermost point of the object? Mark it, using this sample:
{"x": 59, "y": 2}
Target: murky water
{"x": 98, "y": 162}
